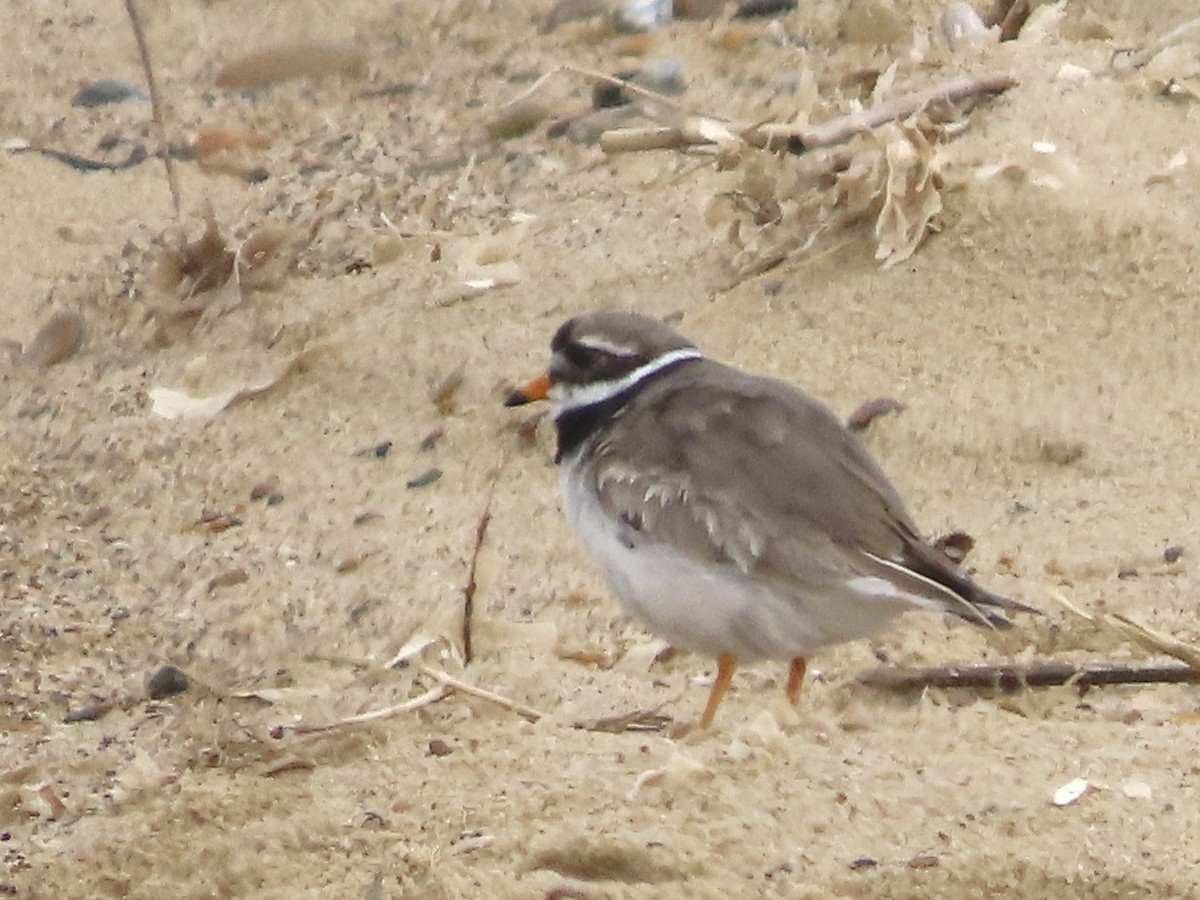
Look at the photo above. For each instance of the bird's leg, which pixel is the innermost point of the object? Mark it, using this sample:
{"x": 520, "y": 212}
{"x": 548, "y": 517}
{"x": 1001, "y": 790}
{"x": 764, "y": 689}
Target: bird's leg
{"x": 726, "y": 665}
{"x": 796, "y": 679}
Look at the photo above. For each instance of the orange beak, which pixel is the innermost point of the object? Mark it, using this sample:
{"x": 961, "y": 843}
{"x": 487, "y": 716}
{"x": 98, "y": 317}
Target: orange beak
{"x": 538, "y": 389}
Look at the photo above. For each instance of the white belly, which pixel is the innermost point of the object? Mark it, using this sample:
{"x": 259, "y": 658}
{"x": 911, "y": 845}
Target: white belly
{"x": 707, "y": 608}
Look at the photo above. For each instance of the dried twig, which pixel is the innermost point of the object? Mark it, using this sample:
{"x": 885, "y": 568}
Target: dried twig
{"x": 1156, "y": 640}
{"x": 685, "y": 127}
{"x": 156, "y": 107}
{"x": 1013, "y": 677}
{"x": 1174, "y": 36}
{"x": 633, "y": 140}
{"x": 627, "y": 86}
{"x": 799, "y": 139}
{"x": 433, "y": 695}
{"x": 1014, "y": 19}
{"x": 638, "y": 720}
{"x": 471, "y": 586}
{"x": 1147, "y": 637}
{"x": 465, "y": 687}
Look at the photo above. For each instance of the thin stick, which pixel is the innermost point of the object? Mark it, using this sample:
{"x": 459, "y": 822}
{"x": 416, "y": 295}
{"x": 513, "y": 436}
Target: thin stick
{"x": 638, "y": 720}
{"x": 1014, "y": 20}
{"x": 628, "y": 86}
{"x": 433, "y": 695}
{"x": 1060, "y": 598}
{"x": 156, "y": 108}
{"x": 701, "y": 129}
{"x": 1174, "y": 36}
{"x": 472, "y": 586}
{"x": 633, "y": 140}
{"x": 1156, "y": 640}
{"x": 1014, "y": 678}
{"x": 500, "y": 700}
{"x": 841, "y": 129}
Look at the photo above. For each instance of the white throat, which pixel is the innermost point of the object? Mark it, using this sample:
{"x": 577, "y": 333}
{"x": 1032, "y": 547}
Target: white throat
{"x": 575, "y": 396}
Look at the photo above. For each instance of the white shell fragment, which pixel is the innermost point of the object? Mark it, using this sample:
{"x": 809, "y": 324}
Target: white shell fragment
{"x": 1072, "y": 72}
{"x": 1137, "y": 790}
{"x": 1071, "y": 792}
{"x": 172, "y": 404}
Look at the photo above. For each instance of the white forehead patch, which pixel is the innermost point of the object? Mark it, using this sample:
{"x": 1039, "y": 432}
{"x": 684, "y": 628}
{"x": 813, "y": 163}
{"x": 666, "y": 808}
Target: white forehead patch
{"x": 603, "y": 345}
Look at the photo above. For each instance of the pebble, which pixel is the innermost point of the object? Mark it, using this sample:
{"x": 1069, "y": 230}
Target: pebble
{"x": 426, "y": 478}
{"x": 166, "y": 682}
{"x": 750, "y": 9}
{"x": 107, "y": 90}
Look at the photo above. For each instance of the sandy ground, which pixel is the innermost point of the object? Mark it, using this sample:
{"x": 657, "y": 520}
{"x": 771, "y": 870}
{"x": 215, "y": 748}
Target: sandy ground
{"x": 1043, "y": 340}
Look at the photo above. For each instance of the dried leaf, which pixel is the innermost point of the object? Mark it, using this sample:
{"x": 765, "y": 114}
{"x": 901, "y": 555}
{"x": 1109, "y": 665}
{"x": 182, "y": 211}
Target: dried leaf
{"x": 223, "y": 139}
{"x": 172, "y": 404}
{"x": 228, "y": 579}
{"x": 311, "y": 59}
{"x": 59, "y": 339}
{"x": 911, "y": 196}
{"x": 201, "y": 265}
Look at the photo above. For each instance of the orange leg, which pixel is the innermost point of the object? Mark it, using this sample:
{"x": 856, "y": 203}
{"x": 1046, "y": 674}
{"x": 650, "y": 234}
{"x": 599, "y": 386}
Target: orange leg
{"x": 796, "y": 679}
{"x": 726, "y": 665}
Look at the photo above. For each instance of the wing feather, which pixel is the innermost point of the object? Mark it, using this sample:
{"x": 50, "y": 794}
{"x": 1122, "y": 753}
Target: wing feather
{"x": 813, "y": 511}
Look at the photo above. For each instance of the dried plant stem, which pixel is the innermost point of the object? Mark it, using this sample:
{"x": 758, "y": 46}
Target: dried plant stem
{"x": 639, "y": 720}
{"x": 449, "y": 681}
{"x": 1014, "y": 19}
{"x": 684, "y": 127}
{"x": 433, "y": 695}
{"x": 839, "y": 130}
{"x": 634, "y": 140}
{"x": 156, "y": 108}
{"x": 472, "y": 586}
{"x": 1147, "y": 637}
{"x": 627, "y": 86}
{"x": 1156, "y": 640}
{"x": 1014, "y": 678}
{"x": 1174, "y": 36}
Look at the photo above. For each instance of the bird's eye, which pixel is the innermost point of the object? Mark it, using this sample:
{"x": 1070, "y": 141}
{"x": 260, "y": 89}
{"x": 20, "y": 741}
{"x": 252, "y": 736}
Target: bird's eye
{"x": 578, "y": 355}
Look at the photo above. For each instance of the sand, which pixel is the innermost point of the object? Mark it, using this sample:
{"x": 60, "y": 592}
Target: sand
{"x": 1042, "y": 340}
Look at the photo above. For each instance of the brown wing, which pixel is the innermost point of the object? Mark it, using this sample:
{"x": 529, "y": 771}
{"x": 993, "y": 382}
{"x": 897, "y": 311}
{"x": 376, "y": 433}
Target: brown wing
{"x": 774, "y": 484}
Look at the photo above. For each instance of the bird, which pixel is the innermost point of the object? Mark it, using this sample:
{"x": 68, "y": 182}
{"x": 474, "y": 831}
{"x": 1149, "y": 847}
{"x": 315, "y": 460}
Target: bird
{"x": 732, "y": 514}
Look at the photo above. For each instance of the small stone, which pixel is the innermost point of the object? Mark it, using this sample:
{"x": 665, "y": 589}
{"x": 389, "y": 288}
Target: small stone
{"x": 1172, "y": 553}
{"x": 438, "y": 747}
{"x": 264, "y": 488}
{"x": 431, "y": 440}
{"x": 228, "y": 578}
{"x": 750, "y": 9}
{"x": 863, "y": 862}
{"x": 107, "y": 90}
{"x": 426, "y": 478}
{"x": 90, "y": 713}
{"x": 166, "y": 682}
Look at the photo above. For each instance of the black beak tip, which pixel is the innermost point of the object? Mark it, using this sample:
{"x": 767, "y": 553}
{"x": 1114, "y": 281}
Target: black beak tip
{"x": 515, "y": 398}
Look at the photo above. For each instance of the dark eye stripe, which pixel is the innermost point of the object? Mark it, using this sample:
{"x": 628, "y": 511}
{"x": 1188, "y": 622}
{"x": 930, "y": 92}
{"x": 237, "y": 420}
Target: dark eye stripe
{"x": 579, "y": 355}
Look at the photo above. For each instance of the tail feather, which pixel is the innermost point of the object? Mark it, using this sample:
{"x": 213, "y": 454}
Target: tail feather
{"x": 938, "y": 579}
